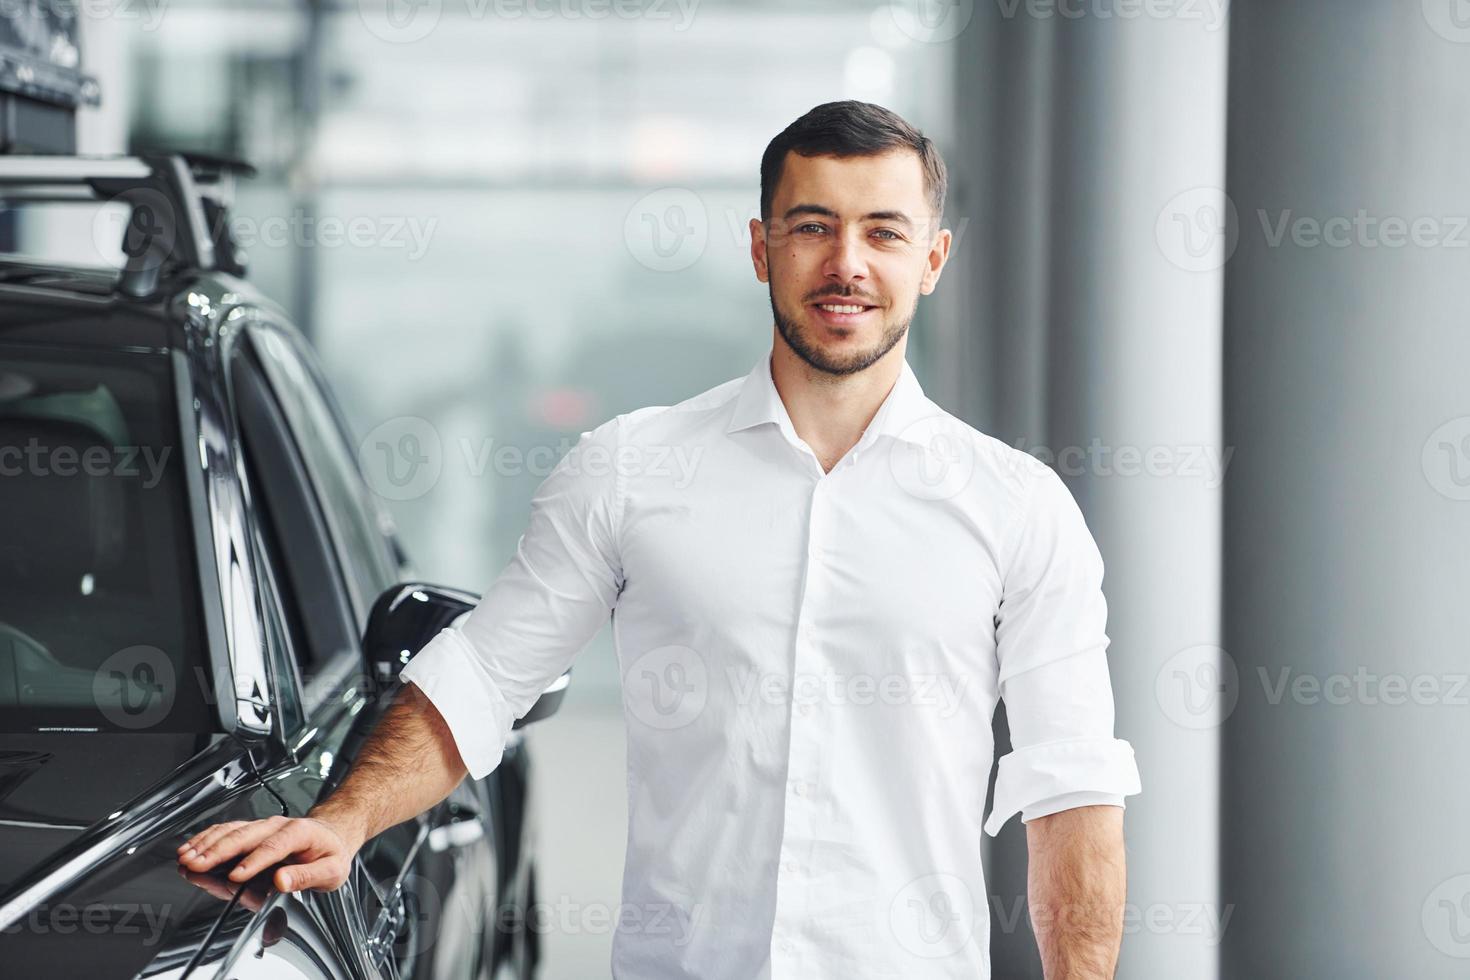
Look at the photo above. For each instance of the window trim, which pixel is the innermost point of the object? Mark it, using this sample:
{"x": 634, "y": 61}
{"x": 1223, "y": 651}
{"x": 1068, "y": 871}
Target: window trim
{"x": 322, "y": 675}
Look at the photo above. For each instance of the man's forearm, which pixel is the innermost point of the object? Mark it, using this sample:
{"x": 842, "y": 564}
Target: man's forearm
{"x": 408, "y": 763}
{"x": 1078, "y": 882}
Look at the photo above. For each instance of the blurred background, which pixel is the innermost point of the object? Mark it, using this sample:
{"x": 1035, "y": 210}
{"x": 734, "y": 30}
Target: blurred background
{"x": 1211, "y": 261}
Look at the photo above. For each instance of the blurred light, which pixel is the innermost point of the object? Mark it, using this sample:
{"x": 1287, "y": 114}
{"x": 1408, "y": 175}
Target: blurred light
{"x": 661, "y": 147}
{"x": 562, "y": 408}
{"x": 869, "y": 75}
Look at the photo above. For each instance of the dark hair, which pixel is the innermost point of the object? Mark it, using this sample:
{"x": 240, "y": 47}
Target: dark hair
{"x": 851, "y": 129}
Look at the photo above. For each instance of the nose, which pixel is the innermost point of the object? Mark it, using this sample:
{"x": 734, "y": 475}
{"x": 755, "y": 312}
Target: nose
{"x": 846, "y": 261}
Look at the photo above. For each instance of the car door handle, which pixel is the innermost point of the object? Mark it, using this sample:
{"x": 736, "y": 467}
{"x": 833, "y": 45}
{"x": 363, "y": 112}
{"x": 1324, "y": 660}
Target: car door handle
{"x": 457, "y": 827}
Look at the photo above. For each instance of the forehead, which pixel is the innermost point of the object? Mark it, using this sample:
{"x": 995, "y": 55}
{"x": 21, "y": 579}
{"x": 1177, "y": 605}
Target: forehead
{"x": 851, "y": 186}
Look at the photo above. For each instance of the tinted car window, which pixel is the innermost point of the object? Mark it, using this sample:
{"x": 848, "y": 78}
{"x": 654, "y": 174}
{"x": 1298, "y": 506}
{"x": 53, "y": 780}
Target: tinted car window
{"x": 352, "y": 518}
{"x": 100, "y": 606}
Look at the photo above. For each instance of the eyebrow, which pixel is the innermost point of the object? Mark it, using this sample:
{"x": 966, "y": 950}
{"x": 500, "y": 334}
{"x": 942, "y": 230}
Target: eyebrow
{"x": 826, "y": 212}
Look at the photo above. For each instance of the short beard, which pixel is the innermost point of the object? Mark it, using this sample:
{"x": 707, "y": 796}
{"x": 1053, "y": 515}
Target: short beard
{"x": 819, "y": 361}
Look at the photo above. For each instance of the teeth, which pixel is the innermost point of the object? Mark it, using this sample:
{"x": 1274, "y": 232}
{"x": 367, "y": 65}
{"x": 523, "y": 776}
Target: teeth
{"x": 841, "y": 309}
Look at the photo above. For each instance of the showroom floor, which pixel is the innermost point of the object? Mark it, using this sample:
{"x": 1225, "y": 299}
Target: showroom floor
{"x": 582, "y": 811}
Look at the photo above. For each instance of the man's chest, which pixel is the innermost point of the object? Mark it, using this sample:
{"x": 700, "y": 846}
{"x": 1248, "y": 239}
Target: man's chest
{"x": 852, "y": 560}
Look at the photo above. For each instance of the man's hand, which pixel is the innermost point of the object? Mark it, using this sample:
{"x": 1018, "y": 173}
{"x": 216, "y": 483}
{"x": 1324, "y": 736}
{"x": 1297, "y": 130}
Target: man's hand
{"x": 408, "y": 764}
{"x": 1078, "y": 882}
{"x": 320, "y": 850}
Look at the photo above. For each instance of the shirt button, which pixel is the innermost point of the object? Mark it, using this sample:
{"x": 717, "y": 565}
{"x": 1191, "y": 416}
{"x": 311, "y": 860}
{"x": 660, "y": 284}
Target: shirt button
{"x": 804, "y": 710}
{"x": 786, "y": 946}
{"x": 800, "y": 788}
{"x": 791, "y": 866}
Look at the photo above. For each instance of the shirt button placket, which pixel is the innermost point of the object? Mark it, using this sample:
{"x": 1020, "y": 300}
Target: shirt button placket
{"x": 804, "y": 756}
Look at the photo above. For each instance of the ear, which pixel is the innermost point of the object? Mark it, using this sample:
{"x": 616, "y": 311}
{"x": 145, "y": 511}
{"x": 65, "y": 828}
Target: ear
{"x": 758, "y": 250}
{"x": 938, "y": 255}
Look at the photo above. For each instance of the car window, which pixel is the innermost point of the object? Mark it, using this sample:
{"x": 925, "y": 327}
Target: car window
{"x": 295, "y": 540}
{"x": 352, "y": 516}
{"x": 101, "y": 608}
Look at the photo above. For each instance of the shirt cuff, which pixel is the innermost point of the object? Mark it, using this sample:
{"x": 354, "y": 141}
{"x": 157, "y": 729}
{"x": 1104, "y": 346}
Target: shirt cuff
{"x": 1070, "y": 801}
{"x": 1044, "y": 773}
{"x": 449, "y": 674}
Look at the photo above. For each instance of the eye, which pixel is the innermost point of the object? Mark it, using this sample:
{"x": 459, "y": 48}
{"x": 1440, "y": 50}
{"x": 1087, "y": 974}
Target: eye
{"x": 889, "y": 235}
{"x": 810, "y": 227}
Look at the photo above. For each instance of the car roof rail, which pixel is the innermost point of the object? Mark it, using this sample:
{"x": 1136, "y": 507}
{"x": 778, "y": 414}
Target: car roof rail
{"x": 178, "y": 219}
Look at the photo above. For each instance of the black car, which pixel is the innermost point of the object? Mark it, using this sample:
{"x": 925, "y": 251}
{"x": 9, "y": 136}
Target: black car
{"x": 203, "y": 609}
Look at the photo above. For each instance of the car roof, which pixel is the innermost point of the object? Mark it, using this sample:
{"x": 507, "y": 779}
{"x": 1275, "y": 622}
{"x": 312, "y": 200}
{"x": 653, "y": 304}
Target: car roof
{"x": 71, "y": 307}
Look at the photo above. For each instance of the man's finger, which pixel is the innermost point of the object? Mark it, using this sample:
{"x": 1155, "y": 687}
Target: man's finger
{"x": 281, "y": 844}
{"x": 209, "y": 834}
{"x": 234, "y": 841}
{"x": 324, "y": 874}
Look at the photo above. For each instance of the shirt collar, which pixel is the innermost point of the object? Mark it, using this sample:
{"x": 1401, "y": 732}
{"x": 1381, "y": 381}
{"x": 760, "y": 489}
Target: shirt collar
{"x": 905, "y": 405}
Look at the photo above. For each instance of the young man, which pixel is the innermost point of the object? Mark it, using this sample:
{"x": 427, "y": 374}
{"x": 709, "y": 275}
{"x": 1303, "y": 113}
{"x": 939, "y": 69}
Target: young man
{"x": 813, "y": 634}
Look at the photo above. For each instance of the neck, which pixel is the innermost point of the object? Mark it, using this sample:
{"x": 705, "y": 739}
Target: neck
{"x": 830, "y": 412}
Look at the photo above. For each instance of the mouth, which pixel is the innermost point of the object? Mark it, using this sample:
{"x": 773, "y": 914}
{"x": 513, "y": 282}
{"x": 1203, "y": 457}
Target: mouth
{"x": 841, "y": 314}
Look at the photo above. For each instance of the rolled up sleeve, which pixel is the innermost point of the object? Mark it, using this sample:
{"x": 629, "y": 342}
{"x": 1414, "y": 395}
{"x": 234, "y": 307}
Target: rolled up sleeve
{"x": 1051, "y": 645}
{"x": 489, "y": 668}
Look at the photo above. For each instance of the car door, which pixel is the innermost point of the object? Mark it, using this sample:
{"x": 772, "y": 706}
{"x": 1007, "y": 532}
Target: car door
{"x": 423, "y": 887}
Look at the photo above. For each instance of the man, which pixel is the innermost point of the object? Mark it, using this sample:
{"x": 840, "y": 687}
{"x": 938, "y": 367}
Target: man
{"x": 813, "y": 633}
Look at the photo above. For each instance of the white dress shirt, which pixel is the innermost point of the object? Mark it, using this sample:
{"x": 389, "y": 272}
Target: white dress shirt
{"x": 810, "y": 662}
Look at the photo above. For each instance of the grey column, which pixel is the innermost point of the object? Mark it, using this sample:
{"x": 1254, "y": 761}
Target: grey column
{"x": 1100, "y": 343}
{"x": 1345, "y": 797}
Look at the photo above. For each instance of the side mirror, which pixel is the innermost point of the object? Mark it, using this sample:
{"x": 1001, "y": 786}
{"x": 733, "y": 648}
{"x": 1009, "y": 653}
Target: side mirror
{"x": 407, "y": 616}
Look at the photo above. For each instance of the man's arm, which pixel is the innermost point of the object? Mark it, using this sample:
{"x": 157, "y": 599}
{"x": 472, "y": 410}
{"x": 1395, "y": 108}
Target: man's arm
{"x": 1077, "y": 882}
{"x": 407, "y": 764}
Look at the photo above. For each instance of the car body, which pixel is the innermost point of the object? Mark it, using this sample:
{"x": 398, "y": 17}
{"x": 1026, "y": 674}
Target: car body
{"x": 202, "y": 609}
